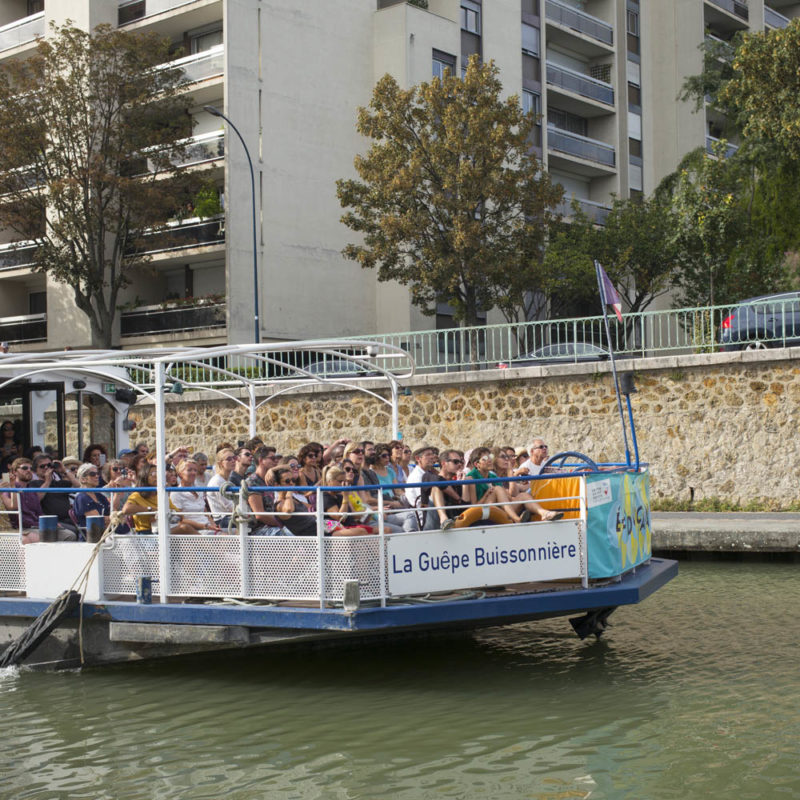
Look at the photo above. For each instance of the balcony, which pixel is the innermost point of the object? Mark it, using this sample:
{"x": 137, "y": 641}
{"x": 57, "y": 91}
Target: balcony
{"x": 584, "y": 85}
{"x": 772, "y": 19}
{"x": 203, "y": 149}
{"x": 736, "y": 7}
{"x": 579, "y": 21}
{"x": 573, "y": 144}
{"x": 200, "y": 66}
{"x": 133, "y": 10}
{"x": 712, "y": 145}
{"x": 26, "y": 328}
{"x": 178, "y": 236}
{"x": 203, "y": 314}
{"x": 21, "y": 31}
{"x": 16, "y": 255}
{"x": 598, "y": 212}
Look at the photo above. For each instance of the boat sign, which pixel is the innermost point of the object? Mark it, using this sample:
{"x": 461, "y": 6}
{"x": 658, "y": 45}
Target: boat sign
{"x": 474, "y": 557}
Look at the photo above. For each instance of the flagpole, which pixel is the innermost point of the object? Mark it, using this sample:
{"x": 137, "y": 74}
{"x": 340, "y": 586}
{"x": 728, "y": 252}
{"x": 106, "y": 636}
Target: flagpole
{"x": 601, "y": 286}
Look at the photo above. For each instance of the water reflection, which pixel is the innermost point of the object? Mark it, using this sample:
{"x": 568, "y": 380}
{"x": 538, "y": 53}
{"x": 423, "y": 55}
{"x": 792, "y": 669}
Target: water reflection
{"x": 693, "y": 693}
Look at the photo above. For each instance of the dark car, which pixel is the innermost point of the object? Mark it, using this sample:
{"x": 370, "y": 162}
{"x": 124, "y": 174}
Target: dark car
{"x": 760, "y": 322}
{"x": 565, "y": 353}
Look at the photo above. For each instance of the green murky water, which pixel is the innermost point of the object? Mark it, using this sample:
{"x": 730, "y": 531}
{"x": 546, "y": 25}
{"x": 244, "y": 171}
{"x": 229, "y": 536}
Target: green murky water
{"x": 694, "y": 694}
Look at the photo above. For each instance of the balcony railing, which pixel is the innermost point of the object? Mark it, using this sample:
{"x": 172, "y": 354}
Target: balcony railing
{"x": 581, "y": 146}
{"x": 150, "y": 320}
{"x": 577, "y": 20}
{"x": 595, "y": 211}
{"x": 200, "y": 66}
{"x": 201, "y": 149}
{"x": 711, "y": 146}
{"x": 773, "y": 19}
{"x": 132, "y": 10}
{"x": 574, "y": 81}
{"x": 180, "y": 235}
{"x": 21, "y": 31}
{"x": 26, "y": 328}
{"x": 737, "y": 7}
{"x": 17, "y": 254}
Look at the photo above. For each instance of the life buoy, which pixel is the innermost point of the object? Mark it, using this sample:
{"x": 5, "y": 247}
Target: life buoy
{"x": 477, "y": 513}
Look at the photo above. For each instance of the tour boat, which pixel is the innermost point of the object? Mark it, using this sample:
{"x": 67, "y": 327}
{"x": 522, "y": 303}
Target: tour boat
{"x": 151, "y": 596}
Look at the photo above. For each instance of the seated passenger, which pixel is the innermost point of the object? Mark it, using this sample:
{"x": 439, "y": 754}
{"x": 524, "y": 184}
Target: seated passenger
{"x": 310, "y": 459}
{"x": 90, "y": 503}
{"x": 192, "y": 505}
{"x": 448, "y": 501}
{"x": 221, "y": 507}
{"x": 50, "y": 474}
{"x": 290, "y": 504}
{"x": 518, "y": 490}
{"x": 340, "y": 518}
{"x": 144, "y": 505}
{"x": 28, "y": 504}
{"x": 493, "y": 493}
{"x": 264, "y": 523}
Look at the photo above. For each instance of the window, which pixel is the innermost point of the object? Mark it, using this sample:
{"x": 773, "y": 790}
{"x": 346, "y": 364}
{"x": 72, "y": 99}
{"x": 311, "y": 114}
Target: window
{"x": 530, "y": 8}
{"x": 565, "y": 121}
{"x": 470, "y": 17}
{"x": 635, "y": 148}
{"x": 530, "y": 40}
{"x": 634, "y": 96}
{"x": 37, "y": 303}
{"x": 633, "y": 22}
{"x": 204, "y": 39}
{"x": 531, "y": 102}
{"x": 441, "y": 62}
{"x": 35, "y": 6}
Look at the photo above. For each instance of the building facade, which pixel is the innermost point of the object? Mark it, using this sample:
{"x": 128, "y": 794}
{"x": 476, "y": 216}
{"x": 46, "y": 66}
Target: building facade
{"x": 604, "y": 75}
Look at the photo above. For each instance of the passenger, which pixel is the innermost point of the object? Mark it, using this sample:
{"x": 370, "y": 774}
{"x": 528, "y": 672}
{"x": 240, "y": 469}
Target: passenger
{"x": 221, "y": 507}
{"x": 201, "y": 459}
{"x": 262, "y": 504}
{"x": 95, "y": 454}
{"x": 294, "y": 466}
{"x": 520, "y": 456}
{"x": 537, "y": 451}
{"x": 192, "y": 505}
{"x": 448, "y": 501}
{"x": 90, "y": 503}
{"x": 518, "y": 490}
{"x": 57, "y": 504}
{"x": 29, "y": 504}
{"x": 144, "y": 505}
{"x": 9, "y": 444}
{"x": 244, "y": 458}
{"x": 340, "y": 518}
{"x": 310, "y": 459}
{"x": 289, "y": 503}
{"x": 397, "y": 448}
{"x": 142, "y": 449}
{"x": 116, "y": 475}
{"x": 333, "y": 453}
{"x": 384, "y": 471}
{"x": 425, "y": 458}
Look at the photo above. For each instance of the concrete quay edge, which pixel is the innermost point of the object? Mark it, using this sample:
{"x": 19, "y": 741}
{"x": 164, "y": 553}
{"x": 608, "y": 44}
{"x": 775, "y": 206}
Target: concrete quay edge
{"x": 725, "y": 532}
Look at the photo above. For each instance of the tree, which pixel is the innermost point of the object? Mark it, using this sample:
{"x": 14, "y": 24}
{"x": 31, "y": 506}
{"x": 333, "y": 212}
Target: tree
{"x": 764, "y": 87}
{"x": 90, "y": 127}
{"x": 451, "y": 201}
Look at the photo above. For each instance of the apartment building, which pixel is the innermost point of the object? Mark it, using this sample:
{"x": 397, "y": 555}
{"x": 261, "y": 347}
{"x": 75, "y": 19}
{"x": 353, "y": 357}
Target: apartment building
{"x": 604, "y": 74}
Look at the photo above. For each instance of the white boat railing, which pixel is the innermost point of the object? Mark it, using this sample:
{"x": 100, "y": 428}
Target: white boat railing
{"x": 319, "y": 568}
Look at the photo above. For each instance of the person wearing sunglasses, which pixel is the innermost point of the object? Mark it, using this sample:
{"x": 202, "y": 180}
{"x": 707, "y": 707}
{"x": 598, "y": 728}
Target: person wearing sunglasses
{"x": 537, "y": 454}
{"x": 90, "y": 503}
{"x": 47, "y": 476}
{"x": 309, "y": 458}
{"x": 447, "y": 501}
{"x": 29, "y": 503}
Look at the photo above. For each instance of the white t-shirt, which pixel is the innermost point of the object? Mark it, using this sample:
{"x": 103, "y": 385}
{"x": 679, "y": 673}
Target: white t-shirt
{"x": 220, "y": 506}
{"x": 190, "y": 506}
{"x": 413, "y": 492}
{"x": 533, "y": 469}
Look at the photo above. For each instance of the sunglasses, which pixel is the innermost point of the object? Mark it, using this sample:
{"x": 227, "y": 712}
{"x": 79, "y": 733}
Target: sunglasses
{"x": 456, "y": 460}
{"x": 91, "y": 474}
{"x": 24, "y": 466}
{"x": 352, "y": 471}
{"x": 358, "y": 452}
{"x": 539, "y": 447}
{"x": 246, "y": 455}
{"x": 294, "y": 466}
{"x": 384, "y": 455}
{"x": 44, "y": 466}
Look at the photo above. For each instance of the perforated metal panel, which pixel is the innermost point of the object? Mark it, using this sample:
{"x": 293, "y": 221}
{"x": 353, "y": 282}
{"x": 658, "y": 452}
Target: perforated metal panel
{"x": 12, "y": 563}
{"x": 205, "y": 566}
{"x": 352, "y": 558}
{"x": 128, "y": 559}
{"x": 283, "y": 567}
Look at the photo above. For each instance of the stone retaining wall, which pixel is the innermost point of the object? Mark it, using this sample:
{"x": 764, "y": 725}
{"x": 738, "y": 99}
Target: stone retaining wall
{"x": 719, "y": 425}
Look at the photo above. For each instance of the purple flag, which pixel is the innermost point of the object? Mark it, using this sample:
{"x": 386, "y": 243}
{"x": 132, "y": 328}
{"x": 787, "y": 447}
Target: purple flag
{"x": 610, "y": 294}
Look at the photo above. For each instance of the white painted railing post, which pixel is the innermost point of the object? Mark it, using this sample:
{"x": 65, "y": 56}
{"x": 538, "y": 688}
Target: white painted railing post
{"x": 321, "y": 547}
{"x": 162, "y": 513}
{"x": 583, "y": 539}
{"x": 382, "y": 541}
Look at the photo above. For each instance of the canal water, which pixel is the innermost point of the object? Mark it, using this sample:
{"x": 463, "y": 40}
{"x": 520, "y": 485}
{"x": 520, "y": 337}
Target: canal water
{"x": 693, "y": 694}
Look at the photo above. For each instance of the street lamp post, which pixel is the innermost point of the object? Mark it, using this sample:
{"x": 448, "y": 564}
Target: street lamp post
{"x": 217, "y": 113}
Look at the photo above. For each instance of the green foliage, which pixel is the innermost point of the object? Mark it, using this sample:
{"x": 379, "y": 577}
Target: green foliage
{"x": 207, "y": 202}
{"x": 76, "y": 120}
{"x": 449, "y": 200}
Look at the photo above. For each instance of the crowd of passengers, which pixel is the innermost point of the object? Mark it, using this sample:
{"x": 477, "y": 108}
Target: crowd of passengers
{"x": 288, "y": 507}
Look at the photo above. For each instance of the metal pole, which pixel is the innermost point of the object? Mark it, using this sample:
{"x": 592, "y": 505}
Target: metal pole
{"x": 613, "y": 362}
{"x": 162, "y": 513}
{"x": 395, "y": 410}
{"x": 217, "y": 113}
{"x": 251, "y": 393}
{"x": 321, "y": 546}
{"x": 382, "y": 541}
